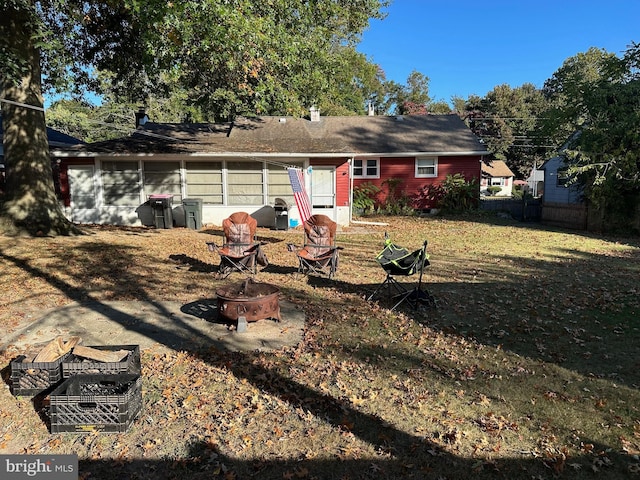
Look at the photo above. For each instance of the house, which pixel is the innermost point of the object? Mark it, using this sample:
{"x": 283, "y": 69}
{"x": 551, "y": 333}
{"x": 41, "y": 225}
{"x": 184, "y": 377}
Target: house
{"x": 496, "y": 174}
{"x": 535, "y": 182}
{"x": 563, "y": 203}
{"x": 241, "y": 165}
{"x": 557, "y": 190}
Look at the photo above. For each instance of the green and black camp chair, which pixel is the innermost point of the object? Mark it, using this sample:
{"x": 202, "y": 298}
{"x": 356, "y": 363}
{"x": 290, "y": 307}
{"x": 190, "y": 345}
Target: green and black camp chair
{"x": 398, "y": 261}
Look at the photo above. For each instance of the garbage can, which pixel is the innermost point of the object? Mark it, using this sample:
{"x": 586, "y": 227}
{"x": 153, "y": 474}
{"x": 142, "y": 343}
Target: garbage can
{"x": 161, "y": 205}
{"x": 281, "y": 208}
{"x": 192, "y": 213}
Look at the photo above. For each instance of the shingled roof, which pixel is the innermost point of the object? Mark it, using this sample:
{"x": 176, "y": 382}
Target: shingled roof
{"x": 354, "y": 135}
{"x": 497, "y": 168}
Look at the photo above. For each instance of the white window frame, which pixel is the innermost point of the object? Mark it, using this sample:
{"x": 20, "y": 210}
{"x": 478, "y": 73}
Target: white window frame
{"x": 418, "y": 166}
{"x": 364, "y": 167}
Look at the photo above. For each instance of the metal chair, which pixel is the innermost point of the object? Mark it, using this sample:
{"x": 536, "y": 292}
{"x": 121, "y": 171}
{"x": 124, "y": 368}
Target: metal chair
{"x": 240, "y": 251}
{"x": 399, "y": 261}
{"x": 319, "y": 253}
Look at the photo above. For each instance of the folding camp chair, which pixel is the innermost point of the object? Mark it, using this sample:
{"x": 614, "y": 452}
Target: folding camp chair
{"x": 240, "y": 251}
{"x": 319, "y": 253}
{"x": 398, "y": 261}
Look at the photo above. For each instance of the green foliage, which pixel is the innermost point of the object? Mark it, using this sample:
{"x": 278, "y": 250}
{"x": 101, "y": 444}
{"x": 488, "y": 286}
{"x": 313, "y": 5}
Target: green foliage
{"x": 412, "y": 98}
{"x": 604, "y": 158}
{"x": 364, "y": 197}
{"x": 507, "y": 121}
{"x": 494, "y": 190}
{"x": 460, "y": 194}
{"x": 396, "y": 202}
{"x": 454, "y": 194}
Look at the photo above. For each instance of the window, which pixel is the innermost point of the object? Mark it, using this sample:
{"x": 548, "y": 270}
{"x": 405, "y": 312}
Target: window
{"x": 497, "y": 181}
{"x": 366, "y": 168}
{"x": 426, "y": 167}
{"x": 162, "y": 177}
{"x": 563, "y": 177}
{"x": 244, "y": 183}
{"x": 204, "y": 180}
{"x": 121, "y": 183}
{"x": 279, "y": 184}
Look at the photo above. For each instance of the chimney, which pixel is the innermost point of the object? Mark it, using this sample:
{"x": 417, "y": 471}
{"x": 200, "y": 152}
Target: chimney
{"x": 315, "y": 114}
{"x": 141, "y": 117}
{"x": 371, "y": 111}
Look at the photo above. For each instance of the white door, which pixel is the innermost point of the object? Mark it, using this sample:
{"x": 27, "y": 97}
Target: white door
{"x": 82, "y": 188}
{"x": 323, "y": 191}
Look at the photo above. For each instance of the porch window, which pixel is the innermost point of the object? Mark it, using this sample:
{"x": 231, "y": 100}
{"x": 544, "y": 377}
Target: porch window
{"x": 426, "y": 167}
{"x": 204, "y": 180}
{"x": 245, "y": 183}
{"x": 121, "y": 183}
{"x": 162, "y": 177}
{"x": 366, "y": 168}
{"x": 279, "y": 185}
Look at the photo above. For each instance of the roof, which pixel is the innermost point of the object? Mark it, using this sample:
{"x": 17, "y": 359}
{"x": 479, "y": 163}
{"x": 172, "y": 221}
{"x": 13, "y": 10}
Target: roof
{"x": 497, "y": 168}
{"x": 354, "y": 135}
{"x": 55, "y": 137}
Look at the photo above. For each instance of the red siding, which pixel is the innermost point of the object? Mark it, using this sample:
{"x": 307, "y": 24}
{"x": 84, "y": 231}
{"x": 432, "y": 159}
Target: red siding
{"x": 404, "y": 168}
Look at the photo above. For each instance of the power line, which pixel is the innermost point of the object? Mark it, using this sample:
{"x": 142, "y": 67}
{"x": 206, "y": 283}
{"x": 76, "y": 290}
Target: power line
{"x": 20, "y": 104}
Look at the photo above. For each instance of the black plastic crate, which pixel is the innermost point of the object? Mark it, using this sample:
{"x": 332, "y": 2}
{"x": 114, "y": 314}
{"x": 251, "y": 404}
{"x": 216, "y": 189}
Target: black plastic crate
{"x": 96, "y": 403}
{"x": 75, "y": 365}
{"x": 33, "y": 378}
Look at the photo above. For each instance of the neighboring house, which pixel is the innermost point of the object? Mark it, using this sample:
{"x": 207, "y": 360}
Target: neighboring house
{"x": 556, "y": 189}
{"x": 563, "y": 204}
{"x": 496, "y": 174}
{"x": 240, "y": 165}
{"x": 535, "y": 182}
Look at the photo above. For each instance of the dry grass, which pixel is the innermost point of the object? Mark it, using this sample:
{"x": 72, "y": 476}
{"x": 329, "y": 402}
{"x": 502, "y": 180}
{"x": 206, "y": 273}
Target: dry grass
{"x": 528, "y": 368}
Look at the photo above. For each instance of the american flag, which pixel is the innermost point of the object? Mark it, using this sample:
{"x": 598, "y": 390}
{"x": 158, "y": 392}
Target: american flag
{"x": 299, "y": 193}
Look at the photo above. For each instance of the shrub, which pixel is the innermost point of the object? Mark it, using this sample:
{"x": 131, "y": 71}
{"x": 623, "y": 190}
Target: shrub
{"x": 364, "y": 198}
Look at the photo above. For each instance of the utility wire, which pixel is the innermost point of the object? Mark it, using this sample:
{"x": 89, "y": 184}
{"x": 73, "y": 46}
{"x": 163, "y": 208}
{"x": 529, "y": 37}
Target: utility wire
{"x": 20, "y": 104}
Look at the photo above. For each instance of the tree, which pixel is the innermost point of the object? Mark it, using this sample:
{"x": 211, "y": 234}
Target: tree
{"x": 29, "y": 204}
{"x": 605, "y": 158}
{"x": 230, "y": 57}
{"x": 567, "y": 90}
{"x": 412, "y": 98}
{"x": 507, "y": 120}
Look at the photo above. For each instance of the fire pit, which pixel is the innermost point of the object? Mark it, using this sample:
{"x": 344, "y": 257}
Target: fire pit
{"x": 249, "y": 299}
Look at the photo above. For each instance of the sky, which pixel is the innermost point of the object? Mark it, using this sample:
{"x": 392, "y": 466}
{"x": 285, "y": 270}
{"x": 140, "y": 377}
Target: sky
{"x": 469, "y": 47}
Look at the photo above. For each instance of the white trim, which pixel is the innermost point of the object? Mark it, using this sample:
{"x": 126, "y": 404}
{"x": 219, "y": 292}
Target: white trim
{"x": 266, "y": 155}
{"x": 364, "y": 167}
{"x": 426, "y": 175}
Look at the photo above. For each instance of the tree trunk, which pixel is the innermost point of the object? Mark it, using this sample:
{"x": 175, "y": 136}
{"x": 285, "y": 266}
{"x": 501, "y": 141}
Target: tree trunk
{"x": 29, "y": 205}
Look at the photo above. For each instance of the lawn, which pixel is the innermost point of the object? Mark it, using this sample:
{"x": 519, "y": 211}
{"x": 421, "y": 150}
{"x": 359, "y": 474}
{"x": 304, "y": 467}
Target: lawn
{"x": 528, "y": 367}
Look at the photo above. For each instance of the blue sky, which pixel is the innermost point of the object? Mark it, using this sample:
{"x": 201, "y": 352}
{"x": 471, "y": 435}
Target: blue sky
{"x": 469, "y": 47}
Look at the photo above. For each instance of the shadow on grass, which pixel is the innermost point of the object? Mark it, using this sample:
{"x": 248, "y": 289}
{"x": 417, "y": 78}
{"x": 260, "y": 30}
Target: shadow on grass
{"x": 398, "y": 449}
{"x": 204, "y": 461}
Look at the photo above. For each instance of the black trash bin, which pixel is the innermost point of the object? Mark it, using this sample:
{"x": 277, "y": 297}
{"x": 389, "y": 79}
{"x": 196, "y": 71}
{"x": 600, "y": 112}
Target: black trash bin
{"x": 192, "y": 213}
{"x": 161, "y": 205}
{"x": 281, "y": 208}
